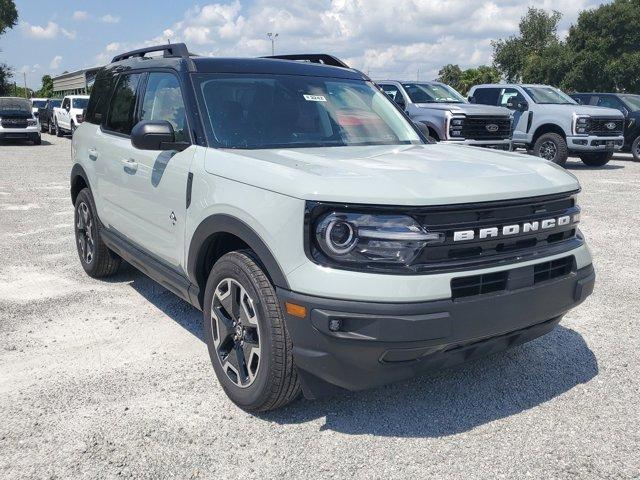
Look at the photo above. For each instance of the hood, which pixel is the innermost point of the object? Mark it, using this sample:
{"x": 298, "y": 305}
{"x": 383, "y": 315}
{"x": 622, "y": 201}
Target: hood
{"x": 466, "y": 108}
{"x": 584, "y": 110}
{"x": 437, "y": 174}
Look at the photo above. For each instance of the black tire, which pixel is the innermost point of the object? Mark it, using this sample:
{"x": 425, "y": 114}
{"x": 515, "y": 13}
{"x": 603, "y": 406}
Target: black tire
{"x": 552, "y": 147}
{"x": 596, "y": 159}
{"x": 635, "y": 149}
{"x": 59, "y": 132}
{"x": 275, "y": 380}
{"x": 37, "y": 140}
{"x": 101, "y": 262}
{"x": 50, "y": 128}
{"x": 73, "y": 128}
{"x": 43, "y": 129}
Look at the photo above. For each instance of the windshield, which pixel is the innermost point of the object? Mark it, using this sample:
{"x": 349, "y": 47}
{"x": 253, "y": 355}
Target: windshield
{"x": 10, "y": 106}
{"x": 79, "y": 102}
{"x": 286, "y": 111}
{"x": 632, "y": 101}
{"x": 549, "y": 95}
{"x": 39, "y": 103}
{"x": 55, "y": 103}
{"x": 432, "y": 93}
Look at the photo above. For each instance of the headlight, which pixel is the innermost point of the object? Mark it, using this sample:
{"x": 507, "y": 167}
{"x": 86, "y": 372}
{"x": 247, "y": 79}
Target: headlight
{"x": 31, "y": 122}
{"x": 365, "y": 238}
{"x": 455, "y": 127}
{"x": 581, "y": 124}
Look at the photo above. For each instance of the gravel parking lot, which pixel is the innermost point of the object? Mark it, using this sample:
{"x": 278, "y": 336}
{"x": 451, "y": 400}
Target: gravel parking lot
{"x": 104, "y": 379}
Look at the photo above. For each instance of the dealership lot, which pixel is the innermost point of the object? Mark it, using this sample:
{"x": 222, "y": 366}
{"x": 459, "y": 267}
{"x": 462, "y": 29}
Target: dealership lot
{"x": 112, "y": 378}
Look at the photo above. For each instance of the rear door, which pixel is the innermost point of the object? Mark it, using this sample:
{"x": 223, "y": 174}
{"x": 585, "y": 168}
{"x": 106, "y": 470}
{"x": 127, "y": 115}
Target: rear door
{"x": 154, "y": 183}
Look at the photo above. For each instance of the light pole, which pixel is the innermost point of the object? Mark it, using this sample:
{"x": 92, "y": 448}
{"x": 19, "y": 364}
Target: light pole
{"x": 272, "y": 36}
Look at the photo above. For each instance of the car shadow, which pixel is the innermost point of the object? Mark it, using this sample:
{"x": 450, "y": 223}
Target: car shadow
{"x": 578, "y": 165}
{"x": 439, "y": 404}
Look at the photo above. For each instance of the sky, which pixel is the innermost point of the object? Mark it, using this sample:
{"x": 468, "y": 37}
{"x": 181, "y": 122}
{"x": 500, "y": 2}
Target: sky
{"x": 405, "y": 39}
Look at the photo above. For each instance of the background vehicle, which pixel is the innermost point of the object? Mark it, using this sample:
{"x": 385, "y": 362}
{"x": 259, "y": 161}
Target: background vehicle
{"x": 327, "y": 245}
{"x": 45, "y": 115}
{"x": 629, "y": 105}
{"x": 551, "y": 124}
{"x": 17, "y": 121}
{"x": 36, "y": 104}
{"x": 448, "y": 115}
{"x": 70, "y": 114}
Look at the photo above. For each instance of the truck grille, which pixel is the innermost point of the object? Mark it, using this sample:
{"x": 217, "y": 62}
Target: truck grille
{"x": 486, "y": 128}
{"x": 601, "y": 126}
{"x": 14, "y": 123}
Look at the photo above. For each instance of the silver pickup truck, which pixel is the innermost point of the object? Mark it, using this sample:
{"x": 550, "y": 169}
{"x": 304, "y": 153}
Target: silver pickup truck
{"x": 448, "y": 115}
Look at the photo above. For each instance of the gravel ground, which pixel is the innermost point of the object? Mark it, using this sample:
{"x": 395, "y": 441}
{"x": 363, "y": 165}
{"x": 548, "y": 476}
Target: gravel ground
{"x": 105, "y": 379}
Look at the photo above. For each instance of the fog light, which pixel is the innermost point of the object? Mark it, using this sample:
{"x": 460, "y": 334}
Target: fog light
{"x": 335, "y": 324}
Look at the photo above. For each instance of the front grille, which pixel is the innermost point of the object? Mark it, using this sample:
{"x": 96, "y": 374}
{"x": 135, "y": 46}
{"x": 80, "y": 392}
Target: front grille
{"x": 14, "y": 123}
{"x": 474, "y": 285}
{"x": 600, "y": 126}
{"x": 475, "y": 128}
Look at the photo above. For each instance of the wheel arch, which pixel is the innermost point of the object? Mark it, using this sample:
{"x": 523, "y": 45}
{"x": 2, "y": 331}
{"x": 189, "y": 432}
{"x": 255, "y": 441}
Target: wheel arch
{"x": 548, "y": 128}
{"x": 79, "y": 180}
{"x": 219, "y": 234}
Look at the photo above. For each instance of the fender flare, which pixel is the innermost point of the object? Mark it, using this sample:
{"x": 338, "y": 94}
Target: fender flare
{"x": 433, "y": 126}
{"x": 223, "y": 223}
{"x": 77, "y": 171}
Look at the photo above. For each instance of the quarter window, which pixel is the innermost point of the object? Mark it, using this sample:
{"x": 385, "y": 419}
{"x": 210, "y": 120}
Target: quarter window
{"x": 123, "y": 103}
{"x": 163, "y": 101}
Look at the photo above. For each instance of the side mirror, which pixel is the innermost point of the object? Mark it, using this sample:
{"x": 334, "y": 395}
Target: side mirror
{"x": 67, "y": 108}
{"x": 155, "y": 135}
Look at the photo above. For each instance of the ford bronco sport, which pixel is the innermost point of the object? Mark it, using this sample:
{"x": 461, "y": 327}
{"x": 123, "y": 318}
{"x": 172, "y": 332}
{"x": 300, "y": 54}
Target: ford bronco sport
{"x": 551, "y": 124}
{"x": 448, "y": 116}
{"x": 328, "y": 245}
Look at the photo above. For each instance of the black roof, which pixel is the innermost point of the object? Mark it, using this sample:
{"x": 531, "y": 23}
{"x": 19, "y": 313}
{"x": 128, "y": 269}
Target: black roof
{"x": 177, "y": 57}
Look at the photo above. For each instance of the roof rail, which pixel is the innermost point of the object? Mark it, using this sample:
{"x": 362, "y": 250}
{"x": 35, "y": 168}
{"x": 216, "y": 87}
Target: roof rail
{"x": 321, "y": 58}
{"x": 170, "y": 50}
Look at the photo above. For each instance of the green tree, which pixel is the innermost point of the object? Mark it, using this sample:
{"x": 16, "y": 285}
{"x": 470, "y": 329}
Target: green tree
{"x": 605, "y": 48}
{"x": 46, "y": 90}
{"x": 451, "y": 75}
{"x": 6, "y": 86}
{"x": 463, "y": 80}
{"x": 519, "y": 57}
{"x": 8, "y": 15}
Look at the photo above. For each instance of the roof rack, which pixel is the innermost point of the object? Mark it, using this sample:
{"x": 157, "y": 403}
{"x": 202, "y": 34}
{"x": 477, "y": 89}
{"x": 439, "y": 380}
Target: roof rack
{"x": 321, "y": 58}
{"x": 170, "y": 50}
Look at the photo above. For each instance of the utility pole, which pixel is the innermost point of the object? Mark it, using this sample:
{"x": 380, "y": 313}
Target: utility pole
{"x": 418, "y": 75}
{"x": 24, "y": 74}
{"x": 272, "y": 36}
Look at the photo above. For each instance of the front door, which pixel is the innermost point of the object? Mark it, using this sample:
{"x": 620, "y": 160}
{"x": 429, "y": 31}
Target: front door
{"x": 509, "y": 97}
{"x": 63, "y": 115}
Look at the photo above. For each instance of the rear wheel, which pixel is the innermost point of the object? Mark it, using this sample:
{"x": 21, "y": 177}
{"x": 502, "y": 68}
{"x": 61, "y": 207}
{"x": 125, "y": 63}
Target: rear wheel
{"x": 596, "y": 159}
{"x": 635, "y": 149}
{"x": 552, "y": 147}
{"x": 248, "y": 342}
{"x": 96, "y": 258}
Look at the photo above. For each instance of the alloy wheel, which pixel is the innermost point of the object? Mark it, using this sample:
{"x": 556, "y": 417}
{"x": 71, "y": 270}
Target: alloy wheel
{"x": 548, "y": 150}
{"x": 637, "y": 150}
{"x": 84, "y": 232}
{"x": 236, "y": 332}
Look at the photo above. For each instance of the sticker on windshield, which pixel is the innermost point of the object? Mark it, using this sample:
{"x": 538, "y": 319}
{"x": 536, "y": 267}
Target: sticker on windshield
{"x": 314, "y": 98}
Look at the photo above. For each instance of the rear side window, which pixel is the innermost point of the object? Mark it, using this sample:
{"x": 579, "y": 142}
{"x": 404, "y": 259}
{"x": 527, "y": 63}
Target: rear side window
{"x": 123, "y": 104}
{"x": 163, "y": 101}
{"x": 99, "y": 101}
{"x": 487, "y": 96}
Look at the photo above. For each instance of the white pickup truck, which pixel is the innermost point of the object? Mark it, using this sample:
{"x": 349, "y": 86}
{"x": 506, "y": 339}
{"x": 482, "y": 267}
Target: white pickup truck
{"x": 70, "y": 114}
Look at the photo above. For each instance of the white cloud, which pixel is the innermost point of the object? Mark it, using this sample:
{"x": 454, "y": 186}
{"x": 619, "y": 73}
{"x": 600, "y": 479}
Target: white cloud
{"x": 80, "y": 15}
{"x": 55, "y": 62}
{"x": 112, "y": 47}
{"x": 71, "y": 35}
{"x": 51, "y": 30}
{"x": 108, "y": 18}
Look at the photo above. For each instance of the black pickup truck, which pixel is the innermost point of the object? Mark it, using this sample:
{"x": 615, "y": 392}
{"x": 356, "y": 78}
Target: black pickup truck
{"x": 629, "y": 105}
{"x": 45, "y": 115}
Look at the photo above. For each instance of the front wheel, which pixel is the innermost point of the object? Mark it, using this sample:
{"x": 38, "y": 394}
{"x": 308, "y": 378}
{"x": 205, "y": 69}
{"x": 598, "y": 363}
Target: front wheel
{"x": 596, "y": 159}
{"x": 96, "y": 258}
{"x": 50, "y": 128}
{"x": 635, "y": 149}
{"x": 58, "y": 130}
{"x": 73, "y": 128}
{"x": 248, "y": 342}
{"x": 552, "y": 147}
{"x": 37, "y": 140}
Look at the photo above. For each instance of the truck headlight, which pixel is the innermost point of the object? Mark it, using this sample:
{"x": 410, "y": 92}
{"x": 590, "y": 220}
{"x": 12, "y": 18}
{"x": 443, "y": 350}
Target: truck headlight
{"x": 365, "y": 238}
{"x": 32, "y": 122}
{"x": 581, "y": 124}
{"x": 454, "y": 129}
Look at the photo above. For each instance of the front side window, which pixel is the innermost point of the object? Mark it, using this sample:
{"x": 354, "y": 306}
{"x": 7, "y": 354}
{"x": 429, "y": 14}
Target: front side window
{"x": 123, "y": 103}
{"x": 287, "y": 111}
{"x": 510, "y": 96}
{"x": 391, "y": 90}
{"x": 163, "y": 101}
{"x": 549, "y": 95}
{"x": 432, "y": 93}
{"x": 65, "y": 103}
{"x": 79, "y": 103}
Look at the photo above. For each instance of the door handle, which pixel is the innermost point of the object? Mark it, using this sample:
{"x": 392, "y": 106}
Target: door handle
{"x": 93, "y": 154}
{"x": 129, "y": 165}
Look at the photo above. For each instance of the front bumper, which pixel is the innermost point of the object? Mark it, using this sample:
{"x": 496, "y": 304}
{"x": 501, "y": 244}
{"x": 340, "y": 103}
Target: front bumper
{"x": 495, "y": 144}
{"x": 380, "y": 343}
{"x": 593, "y": 143}
{"x": 29, "y": 133}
